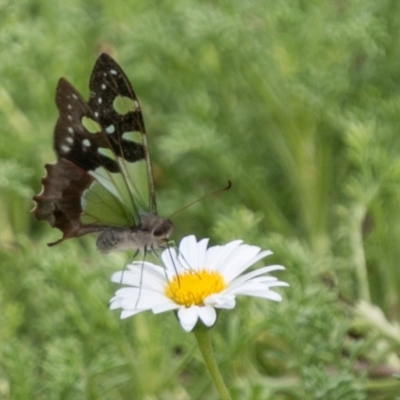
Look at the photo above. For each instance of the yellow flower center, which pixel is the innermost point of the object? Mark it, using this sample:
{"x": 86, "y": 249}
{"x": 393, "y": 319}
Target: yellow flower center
{"x": 191, "y": 288}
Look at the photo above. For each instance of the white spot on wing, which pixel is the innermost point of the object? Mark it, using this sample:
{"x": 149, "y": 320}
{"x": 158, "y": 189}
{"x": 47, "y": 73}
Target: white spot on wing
{"x": 69, "y": 107}
{"x": 74, "y": 96}
{"x": 69, "y": 117}
{"x": 69, "y": 140}
{"x": 113, "y": 72}
{"x": 86, "y": 142}
{"x": 96, "y": 114}
{"x": 103, "y": 86}
{"x": 65, "y": 148}
{"x": 110, "y": 129}
{"x": 70, "y": 130}
{"x": 99, "y": 100}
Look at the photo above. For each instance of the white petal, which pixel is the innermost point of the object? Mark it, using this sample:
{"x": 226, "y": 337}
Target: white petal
{"x": 239, "y": 257}
{"x": 259, "y": 271}
{"x": 166, "y": 256}
{"x": 139, "y": 268}
{"x": 269, "y": 280}
{"x": 201, "y": 254}
{"x": 149, "y": 299}
{"x": 188, "y": 252}
{"x": 243, "y": 262}
{"x": 211, "y": 254}
{"x": 130, "y": 278}
{"x": 187, "y": 317}
{"x": 265, "y": 294}
{"x": 226, "y": 301}
{"x": 144, "y": 264}
{"x": 126, "y": 314}
{"x": 115, "y": 303}
{"x": 207, "y": 314}
{"x": 129, "y": 303}
{"x": 139, "y": 275}
{"x": 139, "y": 298}
{"x": 191, "y": 256}
{"x": 258, "y": 282}
{"x": 126, "y": 293}
{"x": 278, "y": 283}
{"x": 167, "y": 306}
{"x": 220, "y": 253}
{"x": 246, "y": 287}
{"x": 153, "y": 279}
{"x": 172, "y": 263}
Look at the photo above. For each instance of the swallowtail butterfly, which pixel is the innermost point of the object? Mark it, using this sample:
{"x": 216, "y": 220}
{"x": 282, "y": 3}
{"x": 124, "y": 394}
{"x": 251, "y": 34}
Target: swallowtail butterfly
{"x": 102, "y": 180}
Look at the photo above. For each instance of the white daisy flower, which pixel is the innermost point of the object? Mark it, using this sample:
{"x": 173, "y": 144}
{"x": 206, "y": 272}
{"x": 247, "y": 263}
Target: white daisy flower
{"x": 195, "y": 281}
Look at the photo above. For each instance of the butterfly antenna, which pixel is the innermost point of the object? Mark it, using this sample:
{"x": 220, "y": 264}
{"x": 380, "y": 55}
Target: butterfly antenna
{"x": 218, "y": 191}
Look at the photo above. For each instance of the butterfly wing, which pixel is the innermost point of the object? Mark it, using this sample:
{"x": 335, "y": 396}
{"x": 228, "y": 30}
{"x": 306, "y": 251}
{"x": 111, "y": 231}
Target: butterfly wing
{"x": 117, "y": 108}
{"x": 90, "y": 178}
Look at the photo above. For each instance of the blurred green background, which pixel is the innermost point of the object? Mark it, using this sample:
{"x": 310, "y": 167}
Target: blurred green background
{"x": 298, "y": 103}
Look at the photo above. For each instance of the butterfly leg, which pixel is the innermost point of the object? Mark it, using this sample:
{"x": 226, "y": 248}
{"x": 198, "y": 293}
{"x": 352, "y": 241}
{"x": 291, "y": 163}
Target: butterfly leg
{"x": 141, "y": 274}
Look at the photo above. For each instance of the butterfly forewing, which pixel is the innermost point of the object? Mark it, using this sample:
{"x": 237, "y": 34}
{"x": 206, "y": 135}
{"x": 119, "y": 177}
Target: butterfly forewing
{"x": 117, "y": 109}
{"x": 79, "y": 138}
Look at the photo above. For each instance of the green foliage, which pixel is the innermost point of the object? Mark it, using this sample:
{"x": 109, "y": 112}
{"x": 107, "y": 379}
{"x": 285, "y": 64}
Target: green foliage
{"x": 295, "y": 102}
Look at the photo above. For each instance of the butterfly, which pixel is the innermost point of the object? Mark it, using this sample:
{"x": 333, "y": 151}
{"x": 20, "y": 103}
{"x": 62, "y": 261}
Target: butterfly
{"x": 102, "y": 181}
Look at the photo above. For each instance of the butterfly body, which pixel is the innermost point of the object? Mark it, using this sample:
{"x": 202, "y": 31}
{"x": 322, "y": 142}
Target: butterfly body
{"x": 150, "y": 234}
{"x": 89, "y": 189}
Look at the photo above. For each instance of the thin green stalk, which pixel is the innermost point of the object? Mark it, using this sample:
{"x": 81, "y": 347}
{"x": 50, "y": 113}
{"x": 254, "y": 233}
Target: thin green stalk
{"x": 204, "y": 341}
{"x": 358, "y": 213}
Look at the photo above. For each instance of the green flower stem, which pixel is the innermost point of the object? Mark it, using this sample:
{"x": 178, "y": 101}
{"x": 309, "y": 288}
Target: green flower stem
{"x": 204, "y": 341}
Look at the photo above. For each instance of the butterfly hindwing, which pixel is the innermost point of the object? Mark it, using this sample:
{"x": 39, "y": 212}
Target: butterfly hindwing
{"x": 59, "y": 202}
